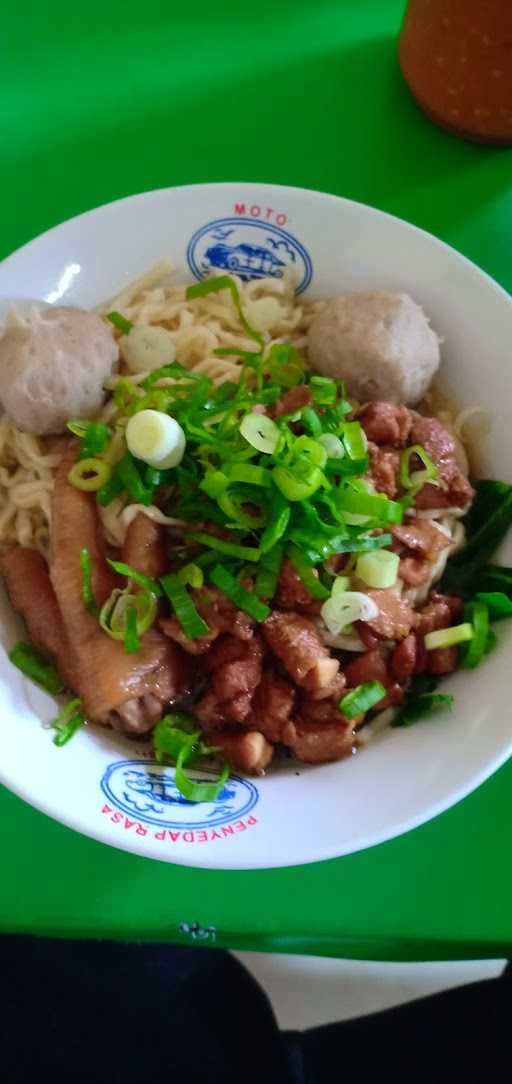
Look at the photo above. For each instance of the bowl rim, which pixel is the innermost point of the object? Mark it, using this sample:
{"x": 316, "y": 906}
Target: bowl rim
{"x": 317, "y": 853}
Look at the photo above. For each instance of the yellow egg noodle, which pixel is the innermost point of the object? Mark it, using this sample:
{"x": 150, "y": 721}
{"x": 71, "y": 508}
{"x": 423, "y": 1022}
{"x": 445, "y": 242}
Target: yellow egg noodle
{"x": 197, "y": 328}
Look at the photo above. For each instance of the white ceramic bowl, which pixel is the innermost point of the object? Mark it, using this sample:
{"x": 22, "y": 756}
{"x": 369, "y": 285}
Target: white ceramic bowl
{"x": 109, "y": 788}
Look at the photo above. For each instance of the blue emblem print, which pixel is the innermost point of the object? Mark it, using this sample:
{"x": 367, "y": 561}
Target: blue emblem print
{"x": 250, "y": 249}
{"x": 148, "y": 790}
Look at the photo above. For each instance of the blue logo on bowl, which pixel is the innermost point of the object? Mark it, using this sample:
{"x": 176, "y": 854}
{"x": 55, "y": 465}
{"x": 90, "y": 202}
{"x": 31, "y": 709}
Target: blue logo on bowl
{"x": 249, "y": 249}
{"x": 148, "y": 790}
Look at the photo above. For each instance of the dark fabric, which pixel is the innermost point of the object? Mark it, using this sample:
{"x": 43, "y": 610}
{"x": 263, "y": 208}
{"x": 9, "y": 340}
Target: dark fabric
{"x": 109, "y": 1013}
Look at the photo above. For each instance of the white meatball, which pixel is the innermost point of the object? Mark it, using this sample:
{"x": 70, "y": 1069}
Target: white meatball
{"x": 379, "y": 342}
{"x": 53, "y": 366}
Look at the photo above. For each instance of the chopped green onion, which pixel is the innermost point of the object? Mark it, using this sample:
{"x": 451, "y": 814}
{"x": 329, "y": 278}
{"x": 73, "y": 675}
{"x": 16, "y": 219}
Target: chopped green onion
{"x": 296, "y": 487}
{"x": 245, "y": 553}
{"x": 478, "y": 614}
{"x": 120, "y": 322}
{"x": 323, "y": 390}
{"x": 174, "y": 371}
{"x": 94, "y": 437}
{"x": 232, "y": 504}
{"x": 154, "y": 477}
{"x": 113, "y": 617}
{"x": 37, "y": 667}
{"x": 89, "y": 474}
{"x": 245, "y": 472}
{"x": 332, "y": 445}
{"x": 126, "y": 395}
{"x": 77, "y": 427}
{"x": 68, "y": 721}
{"x": 420, "y": 707}
{"x": 339, "y": 584}
{"x": 285, "y": 365}
{"x": 244, "y": 600}
{"x": 354, "y": 439}
{"x": 87, "y": 591}
{"x": 275, "y": 530}
{"x": 312, "y": 422}
{"x": 214, "y": 483}
{"x": 374, "y": 505}
{"x": 456, "y": 634}
{"x": 362, "y": 698}
{"x": 312, "y": 451}
{"x": 418, "y": 478}
{"x": 310, "y": 581}
{"x": 379, "y": 569}
{"x": 224, "y": 282}
{"x": 191, "y": 575}
{"x": 191, "y": 622}
{"x": 176, "y": 736}
{"x": 268, "y": 572}
{"x": 498, "y": 603}
{"x": 260, "y": 432}
{"x": 137, "y": 577}
{"x": 129, "y": 476}
{"x": 342, "y": 608}
{"x": 193, "y": 791}
{"x": 131, "y": 636}
{"x": 111, "y": 489}
{"x": 169, "y": 734}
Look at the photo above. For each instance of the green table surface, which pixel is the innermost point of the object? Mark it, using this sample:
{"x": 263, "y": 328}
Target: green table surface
{"x": 103, "y": 100}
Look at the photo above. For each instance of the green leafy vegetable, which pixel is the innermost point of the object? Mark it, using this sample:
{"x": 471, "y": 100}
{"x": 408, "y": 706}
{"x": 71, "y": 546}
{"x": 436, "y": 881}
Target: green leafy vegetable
{"x": 421, "y": 707}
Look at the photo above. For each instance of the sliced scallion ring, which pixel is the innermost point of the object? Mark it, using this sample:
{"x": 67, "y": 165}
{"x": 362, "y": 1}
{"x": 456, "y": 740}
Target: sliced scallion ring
{"x": 260, "y": 432}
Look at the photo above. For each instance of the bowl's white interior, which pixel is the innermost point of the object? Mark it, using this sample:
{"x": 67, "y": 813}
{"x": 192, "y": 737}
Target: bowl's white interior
{"x": 405, "y": 776}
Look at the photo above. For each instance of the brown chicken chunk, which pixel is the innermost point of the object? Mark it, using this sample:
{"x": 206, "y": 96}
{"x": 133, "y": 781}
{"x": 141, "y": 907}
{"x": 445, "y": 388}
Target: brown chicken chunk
{"x": 454, "y": 490}
{"x": 395, "y": 617}
{"x": 319, "y": 742}
{"x": 249, "y": 752}
{"x": 440, "y": 612}
{"x": 296, "y": 642}
{"x": 384, "y": 469}
{"x": 422, "y": 537}
{"x": 291, "y": 592}
{"x": 292, "y": 400}
{"x": 272, "y": 705}
{"x": 386, "y": 423}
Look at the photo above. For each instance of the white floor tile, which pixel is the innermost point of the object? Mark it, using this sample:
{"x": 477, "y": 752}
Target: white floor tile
{"x": 307, "y": 991}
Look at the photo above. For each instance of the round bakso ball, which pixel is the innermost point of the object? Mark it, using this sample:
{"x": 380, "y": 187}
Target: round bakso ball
{"x": 379, "y": 342}
{"x": 53, "y": 367}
